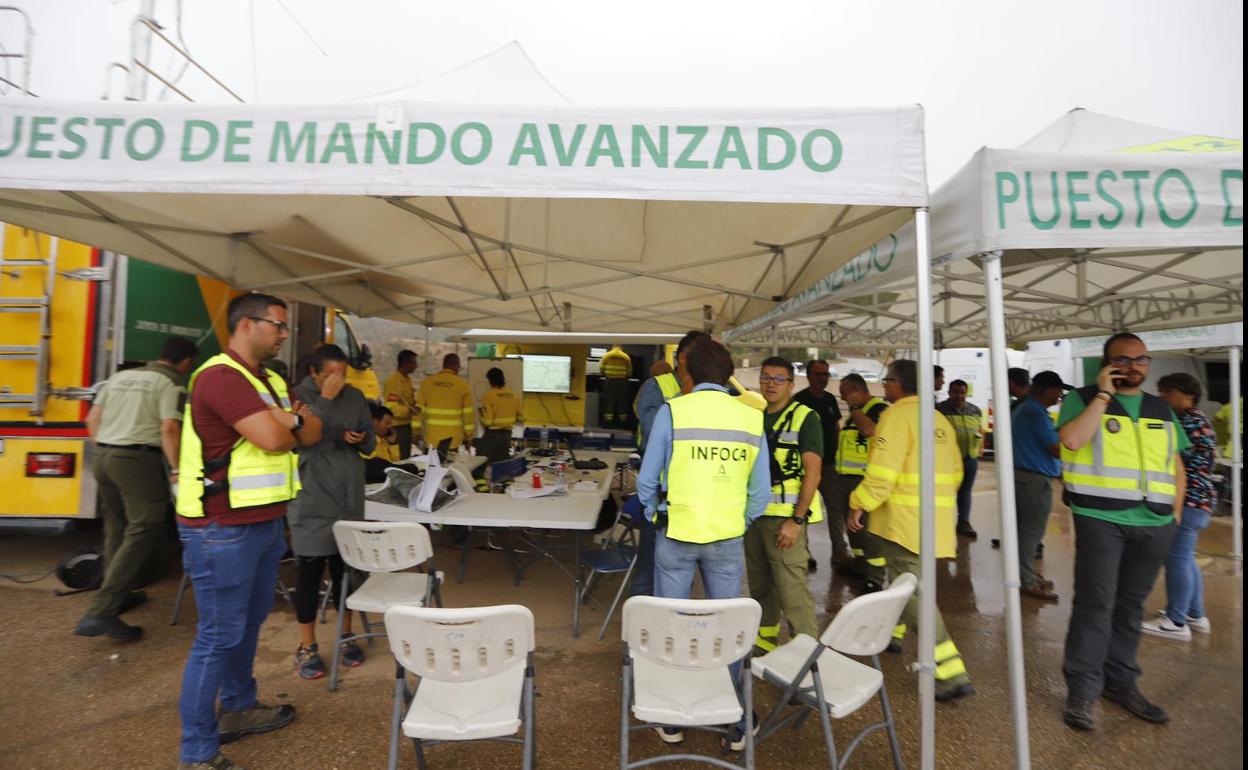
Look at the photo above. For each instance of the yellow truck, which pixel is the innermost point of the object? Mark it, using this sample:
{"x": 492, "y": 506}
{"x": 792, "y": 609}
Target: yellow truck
{"x": 70, "y": 315}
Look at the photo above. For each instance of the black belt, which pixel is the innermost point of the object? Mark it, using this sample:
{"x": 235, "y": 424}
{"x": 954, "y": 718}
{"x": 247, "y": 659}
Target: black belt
{"x": 132, "y": 447}
{"x": 499, "y": 430}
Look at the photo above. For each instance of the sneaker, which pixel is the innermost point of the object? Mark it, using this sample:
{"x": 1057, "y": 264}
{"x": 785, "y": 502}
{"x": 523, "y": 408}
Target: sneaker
{"x": 253, "y": 721}
{"x": 1200, "y": 624}
{"x": 133, "y": 599}
{"x": 1167, "y": 629}
{"x": 1135, "y": 703}
{"x": 871, "y": 586}
{"x": 953, "y": 693}
{"x": 1078, "y": 713}
{"x": 308, "y": 662}
{"x": 112, "y": 627}
{"x": 670, "y": 734}
{"x": 965, "y": 529}
{"x": 352, "y": 655}
{"x": 219, "y": 762}
{"x": 736, "y": 736}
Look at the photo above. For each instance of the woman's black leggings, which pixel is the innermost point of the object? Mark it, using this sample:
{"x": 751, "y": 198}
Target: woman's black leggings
{"x": 308, "y": 586}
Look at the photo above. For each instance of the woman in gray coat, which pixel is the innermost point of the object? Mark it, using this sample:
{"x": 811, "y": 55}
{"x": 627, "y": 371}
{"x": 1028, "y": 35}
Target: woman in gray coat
{"x": 332, "y": 474}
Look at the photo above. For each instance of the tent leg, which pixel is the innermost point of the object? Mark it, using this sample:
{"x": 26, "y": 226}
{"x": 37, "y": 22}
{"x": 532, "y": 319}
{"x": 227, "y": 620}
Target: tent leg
{"x": 926, "y": 665}
{"x": 1004, "y": 462}
{"x": 1237, "y": 456}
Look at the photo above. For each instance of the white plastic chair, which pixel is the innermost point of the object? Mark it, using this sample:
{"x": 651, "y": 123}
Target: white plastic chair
{"x": 475, "y": 669}
{"x": 676, "y": 670}
{"x": 382, "y": 549}
{"x": 816, "y": 675}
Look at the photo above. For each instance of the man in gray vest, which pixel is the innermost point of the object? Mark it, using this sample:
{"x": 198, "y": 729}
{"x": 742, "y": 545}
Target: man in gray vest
{"x": 136, "y": 424}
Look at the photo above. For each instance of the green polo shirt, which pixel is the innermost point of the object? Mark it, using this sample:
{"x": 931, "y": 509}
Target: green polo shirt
{"x": 1140, "y": 515}
{"x": 134, "y": 402}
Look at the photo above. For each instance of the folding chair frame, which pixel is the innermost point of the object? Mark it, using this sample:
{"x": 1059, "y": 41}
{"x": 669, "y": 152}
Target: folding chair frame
{"x": 612, "y": 541}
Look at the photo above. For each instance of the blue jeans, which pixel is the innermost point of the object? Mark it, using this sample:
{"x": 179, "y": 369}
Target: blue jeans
{"x": 1185, "y": 588}
{"x": 722, "y": 565}
{"x": 970, "y": 466}
{"x": 234, "y": 571}
{"x": 643, "y": 572}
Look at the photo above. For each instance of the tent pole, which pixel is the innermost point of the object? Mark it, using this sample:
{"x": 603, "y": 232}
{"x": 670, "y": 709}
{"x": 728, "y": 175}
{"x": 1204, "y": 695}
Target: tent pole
{"x": 1237, "y": 456}
{"x": 1003, "y": 460}
{"x": 926, "y": 665}
{"x": 428, "y": 328}
{"x": 775, "y": 340}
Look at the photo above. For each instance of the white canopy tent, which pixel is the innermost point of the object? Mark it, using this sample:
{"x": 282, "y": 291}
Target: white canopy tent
{"x": 1099, "y": 225}
{"x": 517, "y": 216}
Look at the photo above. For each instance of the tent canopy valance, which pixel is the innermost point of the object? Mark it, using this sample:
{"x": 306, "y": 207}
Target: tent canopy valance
{"x": 509, "y": 216}
{"x": 1101, "y": 224}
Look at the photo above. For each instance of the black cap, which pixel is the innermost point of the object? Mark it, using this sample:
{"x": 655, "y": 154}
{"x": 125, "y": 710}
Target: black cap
{"x": 1049, "y": 380}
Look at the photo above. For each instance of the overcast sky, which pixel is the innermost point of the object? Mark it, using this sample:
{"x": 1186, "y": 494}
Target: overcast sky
{"x": 988, "y": 72}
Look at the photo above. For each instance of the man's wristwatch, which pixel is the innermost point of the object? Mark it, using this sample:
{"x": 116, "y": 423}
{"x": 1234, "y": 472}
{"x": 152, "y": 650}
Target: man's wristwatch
{"x": 800, "y": 519}
{"x": 298, "y": 424}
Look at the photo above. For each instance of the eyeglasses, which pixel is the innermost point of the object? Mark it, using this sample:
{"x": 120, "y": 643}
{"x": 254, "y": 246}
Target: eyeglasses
{"x": 1128, "y": 360}
{"x": 281, "y": 327}
{"x": 766, "y": 378}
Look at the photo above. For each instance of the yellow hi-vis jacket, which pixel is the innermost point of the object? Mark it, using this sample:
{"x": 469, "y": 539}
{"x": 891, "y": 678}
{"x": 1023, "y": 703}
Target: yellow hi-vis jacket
{"x": 890, "y": 489}
{"x": 616, "y": 365}
{"x": 669, "y": 387}
{"x": 445, "y": 402}
{"x": 852, "y": 449}
{"x": 499, "y": 409}
{"x": 715, "y": 440}
{"x": 254, "y": 477}
{"x": 787, "y": 458}
{"x": 1127, "y": 462}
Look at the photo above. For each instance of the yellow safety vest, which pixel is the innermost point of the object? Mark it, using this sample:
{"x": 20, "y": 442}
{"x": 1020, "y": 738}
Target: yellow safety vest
{"x": 616, "y": 365}
{"x": 788, "y": 460}
{"x": 852, "y": 450}
{"x": 1127, "y": 462}
{"x": 669, "y": 387}
{"x": 254, "y": 477}
{"x": 715, "y": 440}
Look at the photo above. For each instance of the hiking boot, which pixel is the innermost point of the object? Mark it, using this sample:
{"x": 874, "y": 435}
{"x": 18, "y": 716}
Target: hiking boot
{"x": 253, "y": 721}
{"x": 133, "y": 599}
{"x": 965, "y": 529}
{"x": 953, "y": 693}
{"x": 1165, "y": 628}
{"x": 1134, "y": 702}
{"x": 871, "y": 586}
{"x": 1078, "y": 713}
{"x": 1039, "y": 591}
{"x": 219, "y": 762}
{"x": 308, "y": 662}
{"x": 112, "y": 627}
{"x": 352, "y": 654}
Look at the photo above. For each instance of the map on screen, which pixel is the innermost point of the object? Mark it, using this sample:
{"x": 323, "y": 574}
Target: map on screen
{"x": 547, "y": 374}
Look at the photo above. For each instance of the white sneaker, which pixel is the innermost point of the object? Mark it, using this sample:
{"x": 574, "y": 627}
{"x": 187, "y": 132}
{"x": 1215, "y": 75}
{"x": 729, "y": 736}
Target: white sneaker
{"x": 1164, "y": 628}
{"x": 1200, "y": 624}
{"x": 670, "y": 734}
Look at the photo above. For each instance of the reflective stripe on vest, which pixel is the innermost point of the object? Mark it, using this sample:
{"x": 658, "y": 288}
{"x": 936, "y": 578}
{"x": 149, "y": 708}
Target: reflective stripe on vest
{"x": 785, "y": 494}
{"x": 715, "y": 441}
{"x": 851, "y": 450}
{"x": 254, "y": 477}
{"x": 1127, "y": 462}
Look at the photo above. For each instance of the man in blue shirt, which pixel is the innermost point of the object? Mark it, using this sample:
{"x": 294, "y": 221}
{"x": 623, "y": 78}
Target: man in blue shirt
{"x": 1036, "y": 452}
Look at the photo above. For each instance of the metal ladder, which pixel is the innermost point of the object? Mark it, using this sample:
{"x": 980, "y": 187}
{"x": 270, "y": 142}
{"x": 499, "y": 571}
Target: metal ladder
{"x": 38, "y": 353}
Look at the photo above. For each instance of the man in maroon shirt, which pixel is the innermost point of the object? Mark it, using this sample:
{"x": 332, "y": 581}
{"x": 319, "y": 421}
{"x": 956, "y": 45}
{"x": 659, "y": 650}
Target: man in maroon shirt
{"x": 231, "y": 553}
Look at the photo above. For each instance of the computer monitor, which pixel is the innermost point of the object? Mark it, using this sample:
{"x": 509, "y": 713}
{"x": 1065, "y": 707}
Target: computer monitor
{"x": 547, "y": 374}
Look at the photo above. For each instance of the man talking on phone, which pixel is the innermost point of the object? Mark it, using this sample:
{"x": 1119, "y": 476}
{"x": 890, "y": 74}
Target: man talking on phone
{"x": 1124, "y": 483}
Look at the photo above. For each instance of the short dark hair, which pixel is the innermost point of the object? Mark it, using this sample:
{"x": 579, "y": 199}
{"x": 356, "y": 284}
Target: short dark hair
{"x": 378, "y": 410}
{"x": 178, "y": 349}
{"x": 956, "y": 383}
{"x": 324, "y": 354}
{"x": 708, "y": 361}
{"x": 1019, "y": 376}
{"x": 855, "y": 381}
{"x": 811, "y": 363}
{"x": 1183, "y": 383}
{"x": 406, "y": 357}
{"x": 253, "y": 305}
{"x": 906, "y": 372}
{"x": 495, "y": 377}
{"x": 687, "y": 340}
{"x": 1117, "y": 338}
{"x": 778, "y": 362}
{"x": 937, "y": 369}
{"x": 449, "y": 360}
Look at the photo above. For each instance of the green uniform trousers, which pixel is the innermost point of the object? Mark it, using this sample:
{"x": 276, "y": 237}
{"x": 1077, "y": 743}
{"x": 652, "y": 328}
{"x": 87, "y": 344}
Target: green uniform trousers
{"x": 867, "y": 562}
{"x": 134, "y": 492}
{"x": 778, "y": 581}
{"x": 950, "y": 670}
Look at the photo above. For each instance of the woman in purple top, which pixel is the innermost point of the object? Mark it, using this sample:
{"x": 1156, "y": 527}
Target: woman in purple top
{"x": 1185, "y": 592}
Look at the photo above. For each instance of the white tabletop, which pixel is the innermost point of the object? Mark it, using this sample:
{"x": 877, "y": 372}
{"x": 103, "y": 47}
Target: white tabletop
{"x": 574, "y": 510}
